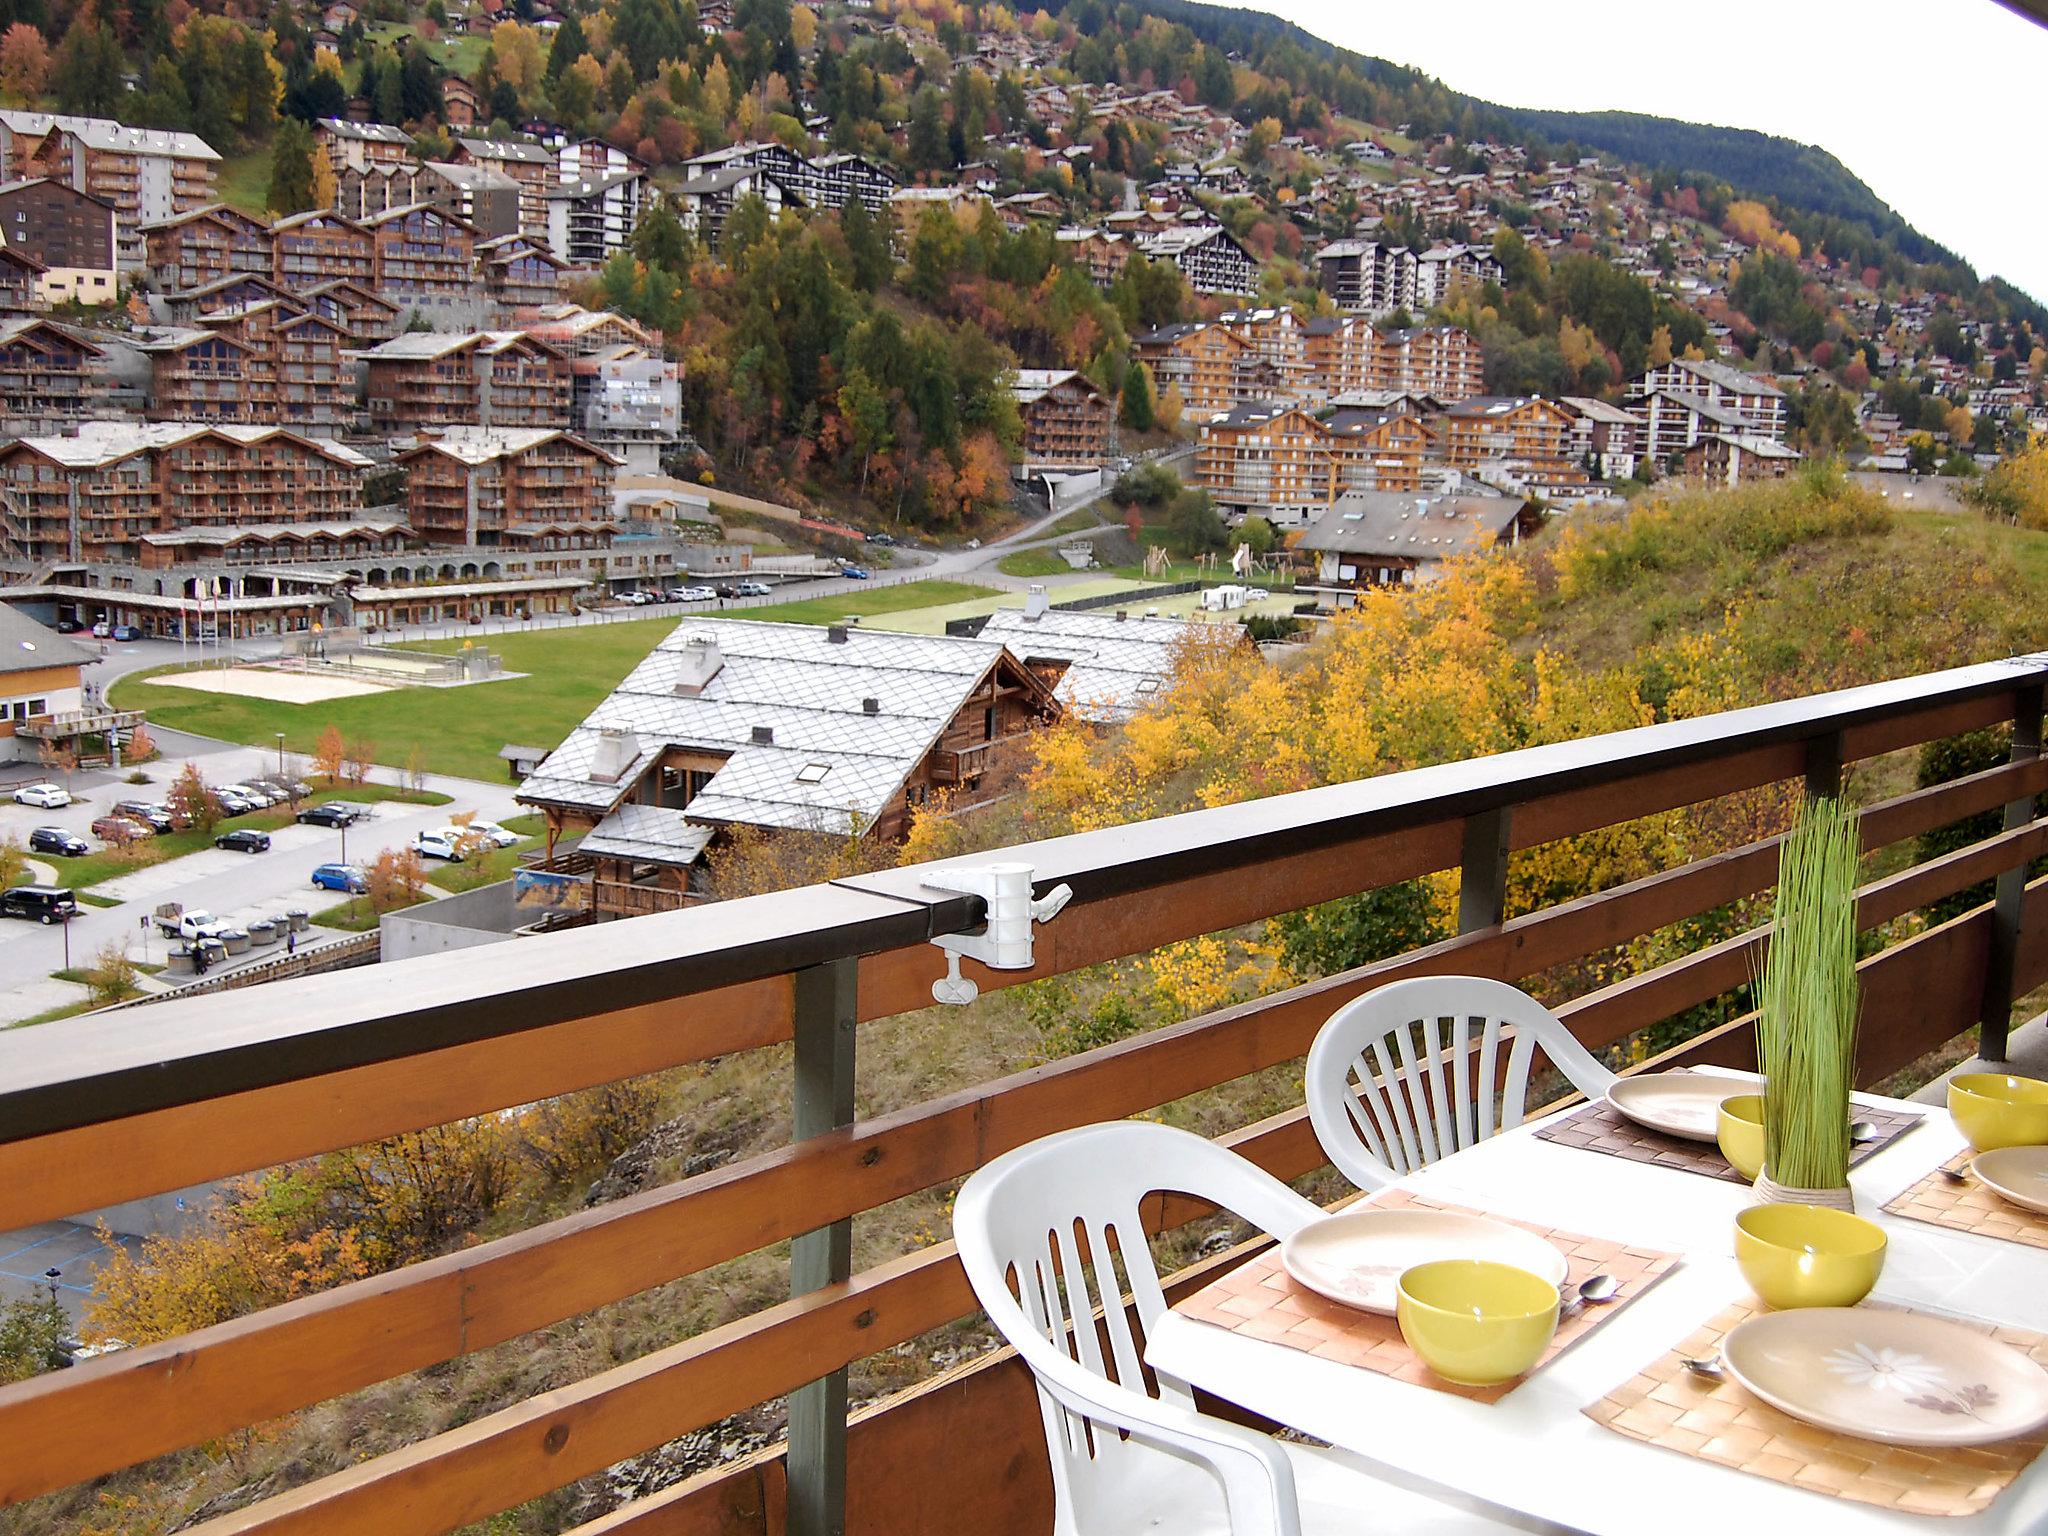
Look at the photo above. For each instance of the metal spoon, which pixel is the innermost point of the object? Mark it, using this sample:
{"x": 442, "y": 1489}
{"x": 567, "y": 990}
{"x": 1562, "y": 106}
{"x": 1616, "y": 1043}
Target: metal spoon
{"x": 1863, "y": 1131}
{"x": 1954, "y": 1175}
{"x": 1595, "y": 1290}
{"x": 1710, "y": 1367}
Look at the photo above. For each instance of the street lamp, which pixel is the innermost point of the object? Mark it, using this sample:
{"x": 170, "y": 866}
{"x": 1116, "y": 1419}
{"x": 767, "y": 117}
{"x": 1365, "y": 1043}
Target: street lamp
{"x": 53, "y": 1276}
{"x": 280, "y": 754}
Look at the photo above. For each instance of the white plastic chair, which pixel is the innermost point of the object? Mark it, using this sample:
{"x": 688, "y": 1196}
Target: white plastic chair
{"x": 1055, "y": 1220}
{"x": 1391, "y": 1089}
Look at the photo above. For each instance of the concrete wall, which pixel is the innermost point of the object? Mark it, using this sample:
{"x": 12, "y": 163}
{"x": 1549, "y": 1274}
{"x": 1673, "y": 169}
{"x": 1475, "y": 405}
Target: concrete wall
{"x": 481, "y": 916}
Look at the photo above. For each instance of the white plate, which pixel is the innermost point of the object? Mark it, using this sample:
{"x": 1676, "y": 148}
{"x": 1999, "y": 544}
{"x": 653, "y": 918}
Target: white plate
{"x": 1902, "y": 1378}
{"x": 2018, "y": 1174}
{"x": 1357, "y": 1257}
{"x": 1684, "y": 1104}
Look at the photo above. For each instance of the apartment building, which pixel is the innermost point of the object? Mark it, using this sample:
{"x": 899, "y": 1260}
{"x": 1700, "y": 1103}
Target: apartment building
{"x": 365, "y": 318}
{"x": 1673, "y": 421}
{"x": 324, "y": 246}
{"x": 1440, "y": 360}
{"x": 1377, "y": 539}
{"x": 355, "y": 149}
{"x": 426, "y": 258}
{"x": 1065, "y": 417}
{"x": 1340, "y": 355}
{"x": 1377, "y": 450}
{"x": 147, "y": 174}
{"x": 578, "y": 159}
{"x": 486, "y": 486}
{"x": 71, "y": 234}
{"x": 1737, "y": 458}
{"x": 99, "y": 494}
{"x": 529, "y": 164}
{"x": 1520, "y": 440}
{"x": 428, "y": 379}
{"x": 1269, "y": 460}
{"x": 190, "y": 250}
{"x": 297, "y": 375}
{"x": 1368, "y": 277}
{"x": 1752, "y": 399}
{"x": 594, "y": 216}
{"x": 519, "y": 272}
{"x": 200, "y": 375}
{"x": 1209, "y": 364}
{"x": 580, "y": 332}
{"x": 1208, "y": 255}
{"x": 628, "y": 401}
{"x": 50, "y": 375}
{"x": 485, "y": 199}
{"x": 829, "y": 181}
{"x": 1275, "y": 344}
{"x": 1101, "y": 253}
{"x": 19, "y": 275}
{"x": 186, "y": 305}
{"x": 1443, "y": 270}
{"x": 706, "y": 200}
{"x": 1605, "y": 436}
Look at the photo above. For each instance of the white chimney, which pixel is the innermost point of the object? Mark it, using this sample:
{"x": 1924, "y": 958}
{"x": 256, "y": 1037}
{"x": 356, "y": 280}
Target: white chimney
{"x": 1035, "y": 602}
{"x": 696, "y": 664}
{"x": 615, "y": 752}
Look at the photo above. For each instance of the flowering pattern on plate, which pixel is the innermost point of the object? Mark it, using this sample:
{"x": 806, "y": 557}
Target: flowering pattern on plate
{"x": 1916, "y": 1378}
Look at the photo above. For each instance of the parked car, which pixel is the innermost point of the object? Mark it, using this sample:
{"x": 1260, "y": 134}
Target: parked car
{"x": 345, "y": 878}
{"x": 490, "y": 830}
{"x": 886, "y": 540}
{"x": 243, "y": 840}
{"x": 235, "y": 803}
{"x": 118, "y": 829}
{"x": 156, "y": 817}
{"x": 56, "y": 840}
{"x": 43, "y": 903}
{"x": 256, "y": 794}
{"x": 694, "y": 594}
{"x": 444, "y": 844}
{"x": 727, "y": 589}
{"x": 69, "y": 627}
{"x": 102, "y": 630}
{"x": 46, "y": 797}
{"x": 127, "y": 632}
{"x": 754, "y": 589}
{"x": 331, "y": 813}
{"x": 855, "y": 572}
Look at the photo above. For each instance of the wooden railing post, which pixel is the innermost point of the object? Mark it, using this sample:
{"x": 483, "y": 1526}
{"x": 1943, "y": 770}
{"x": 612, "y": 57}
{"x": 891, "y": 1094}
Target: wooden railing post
{"x": 1824, "y": 767}
{"x": 1994, "y": 1016}
{"x": 1483, "y": 871}
{"x": 825, "y": 1018}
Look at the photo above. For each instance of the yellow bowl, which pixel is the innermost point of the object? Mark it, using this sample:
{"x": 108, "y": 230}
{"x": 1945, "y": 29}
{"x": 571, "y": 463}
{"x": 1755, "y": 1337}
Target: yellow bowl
{"x": 1993, "y": 1110}
{"x": 1808, "y": 1255}
{"x": 1739, "y": 1128}
{"x": 1475, "y": 1322}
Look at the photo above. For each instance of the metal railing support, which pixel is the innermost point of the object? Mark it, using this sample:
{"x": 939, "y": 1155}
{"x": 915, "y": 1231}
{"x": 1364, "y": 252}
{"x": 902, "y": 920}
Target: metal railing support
{"x": 1994, "y": 1016}
{"x": 825, "y": 1017}
{"x": 1483, "y": 871}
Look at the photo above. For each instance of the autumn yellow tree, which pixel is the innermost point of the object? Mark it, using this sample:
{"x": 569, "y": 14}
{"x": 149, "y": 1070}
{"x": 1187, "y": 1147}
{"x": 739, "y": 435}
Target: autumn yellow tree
{"x": 330, "y": 754}
{"x": 520, "y": 56}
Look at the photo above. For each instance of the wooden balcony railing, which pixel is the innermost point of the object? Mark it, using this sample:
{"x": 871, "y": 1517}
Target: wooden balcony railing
{"x": 108, "y": 1108}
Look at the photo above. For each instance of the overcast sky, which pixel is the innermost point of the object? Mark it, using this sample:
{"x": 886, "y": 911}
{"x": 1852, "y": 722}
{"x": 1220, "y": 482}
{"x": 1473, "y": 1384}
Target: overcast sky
{"x": 1936, "y": 107}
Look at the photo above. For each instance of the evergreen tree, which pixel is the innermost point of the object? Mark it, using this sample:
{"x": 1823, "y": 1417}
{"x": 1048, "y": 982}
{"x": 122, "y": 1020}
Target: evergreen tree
{"x": 659, "y": 239}
{"x": 419, "y": 85}
{"x": 1137, "y": 400}
{"x": 927, "y": 137}
{"x": 569, "y": 46}
{"x": 86, "y": 74}
{"x": 291, "y": 168}
{"x": 867, "y": 246}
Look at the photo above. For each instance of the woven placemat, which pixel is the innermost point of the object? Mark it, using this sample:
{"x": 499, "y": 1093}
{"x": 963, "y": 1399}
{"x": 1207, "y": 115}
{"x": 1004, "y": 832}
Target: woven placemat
{"x": 1970, "y": 1207}
{"x": 1600, "y": 1127}
{"x": 1668, "y": 1405}
{"x": 1261, "y": 1299}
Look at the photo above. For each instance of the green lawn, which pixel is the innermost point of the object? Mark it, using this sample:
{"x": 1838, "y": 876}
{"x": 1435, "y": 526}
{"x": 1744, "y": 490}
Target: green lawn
{"x": 51, "y": 1015}
{"x": 244, "y": 180}
{"x": 869, "y": 602}
{"x": 355, "y": 915}
{"x": 459, "y": 730}
{"x": 1033, "y": 562}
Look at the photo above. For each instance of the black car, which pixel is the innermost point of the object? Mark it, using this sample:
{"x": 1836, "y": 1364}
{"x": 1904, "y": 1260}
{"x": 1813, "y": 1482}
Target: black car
{"x": 69, "y": 627}
{"x": 242, "y": 840}
{"x": 39, "y": 903}
{"x": 57, "y": 840}
{"x": 331, "y": 814}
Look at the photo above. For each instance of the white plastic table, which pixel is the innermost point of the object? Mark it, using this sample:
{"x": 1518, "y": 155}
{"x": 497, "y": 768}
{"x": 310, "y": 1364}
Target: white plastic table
{"x": 1534, "y": 1452}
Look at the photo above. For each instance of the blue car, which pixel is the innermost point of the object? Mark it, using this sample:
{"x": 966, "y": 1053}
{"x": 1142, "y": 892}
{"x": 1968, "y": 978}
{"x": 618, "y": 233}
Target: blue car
{"x": 345, "y": 878}
{"x": 854, "y": 572}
